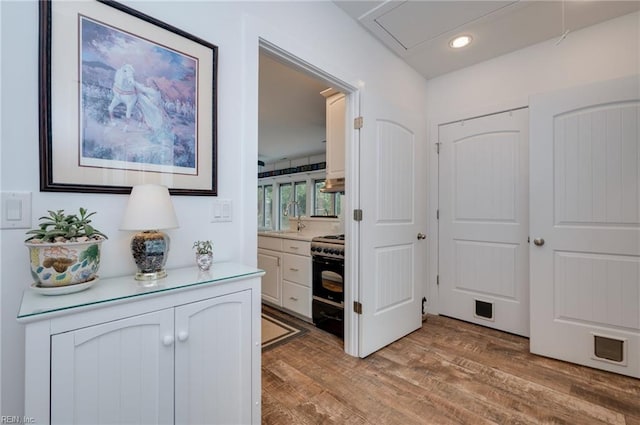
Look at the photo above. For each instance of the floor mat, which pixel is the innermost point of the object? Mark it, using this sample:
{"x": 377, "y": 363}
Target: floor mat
{"x": 277, "y": 331}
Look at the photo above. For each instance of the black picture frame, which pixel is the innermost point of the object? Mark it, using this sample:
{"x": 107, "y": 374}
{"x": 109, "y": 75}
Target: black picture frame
{"x": 85, "y": 148}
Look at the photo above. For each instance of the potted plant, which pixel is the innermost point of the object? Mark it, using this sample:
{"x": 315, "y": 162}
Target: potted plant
{"x": 204, "y": 254}
{"x": 64, "y": 249}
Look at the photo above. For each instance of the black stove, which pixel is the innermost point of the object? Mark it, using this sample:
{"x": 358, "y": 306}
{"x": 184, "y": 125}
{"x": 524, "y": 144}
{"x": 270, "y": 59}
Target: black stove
{"x": 331, "y": 238}
{"x": 330, "y": 246}
{"x": 327, "y": 254}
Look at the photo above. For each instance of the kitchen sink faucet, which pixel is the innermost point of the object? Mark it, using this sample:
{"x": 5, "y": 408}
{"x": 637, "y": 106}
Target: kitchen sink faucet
{"x": 299, "y": 224}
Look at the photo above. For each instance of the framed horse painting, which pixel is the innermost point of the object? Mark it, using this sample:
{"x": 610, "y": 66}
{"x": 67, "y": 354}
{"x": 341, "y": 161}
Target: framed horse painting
{"x": 125, "y": 99}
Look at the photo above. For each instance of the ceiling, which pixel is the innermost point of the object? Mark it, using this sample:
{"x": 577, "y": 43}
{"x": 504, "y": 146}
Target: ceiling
{"x": 291, "y": 112}
{"x": 291, "y": 109}
{"x": 420, "y": 31}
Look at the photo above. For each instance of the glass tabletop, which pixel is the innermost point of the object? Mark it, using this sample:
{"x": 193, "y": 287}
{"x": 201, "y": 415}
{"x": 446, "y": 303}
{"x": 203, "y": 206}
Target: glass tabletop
{"x": 35, "y": 304}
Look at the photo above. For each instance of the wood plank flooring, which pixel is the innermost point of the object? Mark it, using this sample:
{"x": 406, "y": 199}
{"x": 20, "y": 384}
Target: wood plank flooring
{"x": 449, "y": 372}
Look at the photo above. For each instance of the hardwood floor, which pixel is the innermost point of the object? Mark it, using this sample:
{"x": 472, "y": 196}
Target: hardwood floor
{"x": 449, "y": 372}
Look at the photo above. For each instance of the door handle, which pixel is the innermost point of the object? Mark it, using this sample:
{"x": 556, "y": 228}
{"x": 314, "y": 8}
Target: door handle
{"x": 422, "y": 236}
{"x": 538, "y": 241}
{"x": 183, "y": 336}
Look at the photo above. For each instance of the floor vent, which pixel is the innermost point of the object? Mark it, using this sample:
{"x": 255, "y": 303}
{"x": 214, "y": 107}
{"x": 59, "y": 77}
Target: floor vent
{"x": 484, "y": 310}
{"x": 608, "y": 348}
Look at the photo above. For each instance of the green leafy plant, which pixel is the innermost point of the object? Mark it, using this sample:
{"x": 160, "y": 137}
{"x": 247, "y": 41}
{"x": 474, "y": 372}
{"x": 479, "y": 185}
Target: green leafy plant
{"x": 203, "y": 247}
{"x": 61, "y": 227}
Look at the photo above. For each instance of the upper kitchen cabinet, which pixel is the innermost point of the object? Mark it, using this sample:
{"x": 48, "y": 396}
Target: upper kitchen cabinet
{"x": 336, "y": 128}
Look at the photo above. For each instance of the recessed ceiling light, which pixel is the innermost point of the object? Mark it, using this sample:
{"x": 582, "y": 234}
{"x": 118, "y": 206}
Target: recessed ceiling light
{"x": 460, "y": 41}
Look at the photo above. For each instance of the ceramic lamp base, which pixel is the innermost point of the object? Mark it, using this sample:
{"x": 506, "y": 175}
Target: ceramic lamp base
{"x": 151, "y": 276}
{"x": 150, "y": 250}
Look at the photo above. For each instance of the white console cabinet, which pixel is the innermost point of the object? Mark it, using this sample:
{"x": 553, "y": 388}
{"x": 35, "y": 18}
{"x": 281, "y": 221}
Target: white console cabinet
{"x": 184, "y": 351}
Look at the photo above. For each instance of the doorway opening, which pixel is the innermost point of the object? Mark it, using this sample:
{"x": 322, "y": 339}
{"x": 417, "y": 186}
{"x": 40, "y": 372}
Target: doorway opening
{"x": 298, "y": 189}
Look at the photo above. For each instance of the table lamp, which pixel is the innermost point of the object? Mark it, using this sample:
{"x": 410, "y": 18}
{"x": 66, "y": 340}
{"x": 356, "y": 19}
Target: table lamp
{"x": 149, "y": 210}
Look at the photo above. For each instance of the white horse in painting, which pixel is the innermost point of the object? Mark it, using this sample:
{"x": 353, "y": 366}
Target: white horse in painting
{"x": 127, "y": 91}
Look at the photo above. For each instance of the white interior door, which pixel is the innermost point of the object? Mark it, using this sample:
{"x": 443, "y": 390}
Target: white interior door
{"x": 585, "y": 204}
{"x": 483, "y": 225}
{"x": 392, "y": 259}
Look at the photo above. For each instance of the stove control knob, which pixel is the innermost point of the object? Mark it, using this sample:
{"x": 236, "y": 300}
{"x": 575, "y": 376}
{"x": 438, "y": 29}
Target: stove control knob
{"x": 342, "y": 252}
{"x": 326, "y": 250}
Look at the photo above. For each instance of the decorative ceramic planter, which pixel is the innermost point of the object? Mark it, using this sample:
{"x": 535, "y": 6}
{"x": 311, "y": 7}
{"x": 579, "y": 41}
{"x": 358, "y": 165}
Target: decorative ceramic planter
{"x": 204, "y": 261}
{"x": 62, "y": 264}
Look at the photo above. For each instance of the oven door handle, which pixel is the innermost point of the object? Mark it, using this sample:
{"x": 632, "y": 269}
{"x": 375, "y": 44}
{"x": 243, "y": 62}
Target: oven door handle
{"x": 326, "y": 316}
{"x": 327, "y": 261}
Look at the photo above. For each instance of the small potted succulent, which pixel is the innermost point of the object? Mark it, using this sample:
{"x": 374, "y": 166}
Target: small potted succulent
{"x": 64, "y": 249}
{"x": 204, "y": 254}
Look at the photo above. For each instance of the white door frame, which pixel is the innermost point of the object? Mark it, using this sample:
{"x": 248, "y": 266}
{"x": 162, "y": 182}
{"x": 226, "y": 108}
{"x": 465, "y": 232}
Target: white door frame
{"x": 352, "y": 184}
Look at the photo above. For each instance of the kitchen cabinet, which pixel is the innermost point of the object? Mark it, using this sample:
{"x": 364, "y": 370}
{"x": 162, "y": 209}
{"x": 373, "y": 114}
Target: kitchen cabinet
{"x": 270, "y": 261}
{"x": 115, "y": 371}
{"x": 184, "y": 351}
{"x": 335, "y": 134}
{"x": 287, "y": 280}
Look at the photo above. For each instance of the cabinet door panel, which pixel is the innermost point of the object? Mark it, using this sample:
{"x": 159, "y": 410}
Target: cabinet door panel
{"x": 336, "y": 130}
{"x": 269, "y": 261}
{"x": 213, "y": 361}
{"x": 117, "y": 372}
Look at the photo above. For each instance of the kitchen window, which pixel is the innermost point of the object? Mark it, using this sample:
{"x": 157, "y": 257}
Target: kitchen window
{"x": 265, "y": 206}
{"x": 325, "y": 204}
{"x": 293, "y": 201}
{"x": 276, "y": 193}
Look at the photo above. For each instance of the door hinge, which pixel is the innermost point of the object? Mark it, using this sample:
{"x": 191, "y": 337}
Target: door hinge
{"x": 438, "y": 214}
{"x": 358, "y": 122}
{"x": 438, "y": 147}
{"x": 357, "y": 307}
{"x": 357, "y": 215}
{"x": 528, "y": 239}
{"x": 437, "y": 279}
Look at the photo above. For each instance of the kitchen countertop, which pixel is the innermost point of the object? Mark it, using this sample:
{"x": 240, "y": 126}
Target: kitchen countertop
{"x": 289, "y": 234}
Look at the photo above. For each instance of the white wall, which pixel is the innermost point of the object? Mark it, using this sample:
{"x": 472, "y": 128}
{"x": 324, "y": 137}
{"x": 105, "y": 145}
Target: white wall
{"x": 1, "y": 44}
{"x": 601, "y": 52}
{"x": 317, "y": 32}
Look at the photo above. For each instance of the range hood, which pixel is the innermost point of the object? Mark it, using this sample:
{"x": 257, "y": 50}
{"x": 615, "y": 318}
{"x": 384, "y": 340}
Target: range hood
{"x": 333, "y": 185}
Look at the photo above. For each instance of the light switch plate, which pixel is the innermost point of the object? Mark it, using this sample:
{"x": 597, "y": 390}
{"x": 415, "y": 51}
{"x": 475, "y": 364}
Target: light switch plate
{"x": 16, "y": 210}
{"x": 221, "y": 210}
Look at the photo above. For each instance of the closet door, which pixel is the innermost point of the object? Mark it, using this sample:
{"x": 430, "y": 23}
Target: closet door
{"x": 585, "y": 225}
{"x": 484, "y": 221}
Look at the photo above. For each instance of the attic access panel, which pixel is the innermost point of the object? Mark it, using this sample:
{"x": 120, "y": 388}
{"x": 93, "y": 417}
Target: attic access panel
{"x": 413, "y": 23}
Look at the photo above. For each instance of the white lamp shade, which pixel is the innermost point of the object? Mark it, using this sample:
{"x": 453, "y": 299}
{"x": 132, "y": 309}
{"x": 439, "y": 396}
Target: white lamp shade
{"x": 149, "y": 208}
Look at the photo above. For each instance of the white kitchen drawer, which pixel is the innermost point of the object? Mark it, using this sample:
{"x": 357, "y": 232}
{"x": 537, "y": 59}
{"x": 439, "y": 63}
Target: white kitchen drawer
{"x": 297, "y": 268}
{"x": 296, "y": 247}
{"x": 267, "y": 242}
{"x": 296, "y": 298}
